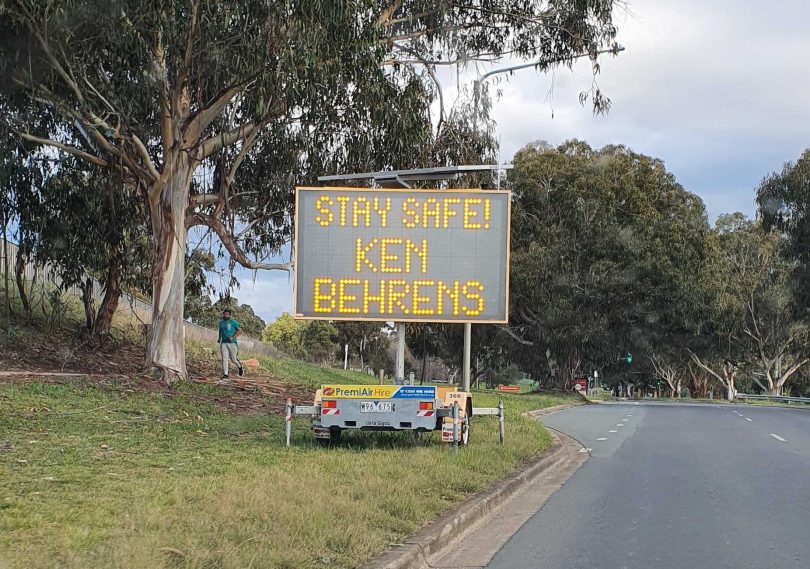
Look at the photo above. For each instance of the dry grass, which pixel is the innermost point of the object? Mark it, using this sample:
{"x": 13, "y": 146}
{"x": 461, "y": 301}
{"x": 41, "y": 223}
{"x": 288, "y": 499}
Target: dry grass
{"x": 101, "y": 477}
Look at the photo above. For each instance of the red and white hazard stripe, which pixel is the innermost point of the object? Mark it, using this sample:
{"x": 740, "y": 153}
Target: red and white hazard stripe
{"x": 424, "y": 413}
{"x": 330, "y": 411}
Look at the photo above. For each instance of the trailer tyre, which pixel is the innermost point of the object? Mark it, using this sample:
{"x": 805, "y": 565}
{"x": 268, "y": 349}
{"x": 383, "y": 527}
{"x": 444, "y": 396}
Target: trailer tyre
{"x": 334, "y": 437}
{"x": 465, "y": 431}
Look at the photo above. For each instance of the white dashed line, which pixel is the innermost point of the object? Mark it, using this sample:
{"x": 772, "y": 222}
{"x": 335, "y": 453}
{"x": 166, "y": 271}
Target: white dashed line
{"x": 602, "y": 439}
{"x": 747, "y": 419}
{"x": 778, "y": 438}
{"x": 620, "y": 424}
{"x": 613, "y": 431}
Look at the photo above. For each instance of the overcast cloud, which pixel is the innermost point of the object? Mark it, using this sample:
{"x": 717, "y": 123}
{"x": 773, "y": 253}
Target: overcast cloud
{"x": 719, "y": 90}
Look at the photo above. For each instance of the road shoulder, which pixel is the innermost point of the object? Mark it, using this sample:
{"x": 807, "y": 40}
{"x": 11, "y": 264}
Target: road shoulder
{"x": 471, "y": 534}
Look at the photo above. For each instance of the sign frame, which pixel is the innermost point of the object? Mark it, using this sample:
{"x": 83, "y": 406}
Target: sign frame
{"x": 393, "y": 318}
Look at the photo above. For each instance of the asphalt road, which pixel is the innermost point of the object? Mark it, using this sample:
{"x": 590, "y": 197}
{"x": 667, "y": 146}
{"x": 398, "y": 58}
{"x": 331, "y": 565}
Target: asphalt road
{"x": 675, "y": 486}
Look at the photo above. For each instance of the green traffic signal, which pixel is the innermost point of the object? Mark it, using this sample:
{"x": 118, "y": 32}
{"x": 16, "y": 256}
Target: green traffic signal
{"x": 628, "y": 358}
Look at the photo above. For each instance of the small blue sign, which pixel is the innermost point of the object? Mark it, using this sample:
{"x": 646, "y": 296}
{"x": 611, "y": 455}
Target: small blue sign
{"x": 416, "y": 392}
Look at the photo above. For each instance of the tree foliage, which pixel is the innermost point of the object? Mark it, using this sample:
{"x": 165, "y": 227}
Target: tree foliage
{"x": 749, "y": 326}
{"x": 206, "y": 314}
{"x": 784, "y": 205}
{"x": 212, "y": 111}
{"x": 606, "y": 246}
{"x": 87, "y": 226}
{"x": 313, "y": 340}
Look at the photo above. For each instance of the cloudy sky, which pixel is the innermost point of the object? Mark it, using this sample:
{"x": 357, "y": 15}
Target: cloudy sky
{"x": 718, "y": 89}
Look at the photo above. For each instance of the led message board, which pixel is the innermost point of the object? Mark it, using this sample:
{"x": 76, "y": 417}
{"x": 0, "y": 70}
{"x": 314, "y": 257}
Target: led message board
{"x": 402, "y": 255}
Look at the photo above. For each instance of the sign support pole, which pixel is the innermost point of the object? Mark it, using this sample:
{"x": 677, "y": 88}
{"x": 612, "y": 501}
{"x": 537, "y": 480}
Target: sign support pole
{"x": 465, "y": 381}
{"x": 400, "y": 371}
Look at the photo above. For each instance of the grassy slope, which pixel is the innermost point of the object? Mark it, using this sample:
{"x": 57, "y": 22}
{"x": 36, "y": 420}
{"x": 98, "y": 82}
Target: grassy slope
{"x": 93, "y": 477}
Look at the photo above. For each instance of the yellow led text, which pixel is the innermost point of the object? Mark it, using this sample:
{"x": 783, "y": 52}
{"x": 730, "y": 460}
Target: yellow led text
{"x": 425, "y": 213}
{"x": 390, "y": 255}
{"x": 426, "y": 298}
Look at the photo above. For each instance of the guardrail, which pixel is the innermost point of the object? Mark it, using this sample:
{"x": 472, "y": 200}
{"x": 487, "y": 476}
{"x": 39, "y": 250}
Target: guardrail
{"x": 496, "y": 411}
{"x": 779, "y": 398}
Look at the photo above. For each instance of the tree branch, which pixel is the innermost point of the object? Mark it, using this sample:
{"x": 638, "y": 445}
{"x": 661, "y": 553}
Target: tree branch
{"x": 436, "y": 82}
{"x": 66, "y": 148}
{"x": 228, "y": 241}
{"x": 707, "y": 368}
{"x": 204, "y": 117}
{"x": 147, "y": 160}
{"x": 791, "y": 370}
{"x": 203, "y": 199}
{"x": 192, "y": 32}
{"x": 250, "y": 140}
{"x": 388, "y": 14}
{"x": 71, "y": 83}
{"x": 516, "y": 337}
{"x": 166, "y": 131}
{"x": 218, "y": 142}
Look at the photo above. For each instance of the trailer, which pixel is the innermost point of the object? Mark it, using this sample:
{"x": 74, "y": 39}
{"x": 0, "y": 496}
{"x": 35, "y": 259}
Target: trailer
{"x": 414, "y": 408}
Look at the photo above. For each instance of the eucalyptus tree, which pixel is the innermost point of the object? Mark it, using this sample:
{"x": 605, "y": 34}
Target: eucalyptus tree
{"x": 606, "y": 247}
{"x": 751, "y": 327}
{"x": 85, "y": 225}
{"x": 784, "y": 205}
{"x": 17, "y": 176}
{"x": 213, "y": 110}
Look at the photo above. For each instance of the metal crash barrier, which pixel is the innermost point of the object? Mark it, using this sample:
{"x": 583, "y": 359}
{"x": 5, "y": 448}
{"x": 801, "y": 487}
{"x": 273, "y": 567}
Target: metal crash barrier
{"x": 496, "y": 411}
{"x": 777, "y": 398}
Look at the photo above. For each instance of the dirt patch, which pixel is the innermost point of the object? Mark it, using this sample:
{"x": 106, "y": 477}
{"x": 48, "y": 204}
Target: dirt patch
{"x": 32, "y": 355}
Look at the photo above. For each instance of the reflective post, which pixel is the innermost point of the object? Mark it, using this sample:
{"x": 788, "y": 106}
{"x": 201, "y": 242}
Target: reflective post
{"x": 501, "y": 428}
{"x": 288, "y": 415}
{"x": 465, "y": 382}
{"x": 399, "y": 377}
{"x": 455, "y": 428}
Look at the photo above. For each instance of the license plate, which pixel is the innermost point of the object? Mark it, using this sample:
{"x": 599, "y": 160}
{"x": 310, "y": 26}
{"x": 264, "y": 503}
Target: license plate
{"x": 376, "y": 407}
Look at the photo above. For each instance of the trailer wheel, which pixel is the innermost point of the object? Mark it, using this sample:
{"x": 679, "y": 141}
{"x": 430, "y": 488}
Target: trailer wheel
{"x": 465, "y": 431}
{"x": 334, "y": 437}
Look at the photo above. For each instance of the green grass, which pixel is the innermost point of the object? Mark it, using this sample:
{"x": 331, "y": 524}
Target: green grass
{"x": 310, "y": 375}
{"x": 93, "y": 477}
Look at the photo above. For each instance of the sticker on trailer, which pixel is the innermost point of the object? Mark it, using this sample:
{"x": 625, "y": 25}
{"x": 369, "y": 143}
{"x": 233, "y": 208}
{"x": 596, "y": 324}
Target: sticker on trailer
{"x": 379, "y": 392}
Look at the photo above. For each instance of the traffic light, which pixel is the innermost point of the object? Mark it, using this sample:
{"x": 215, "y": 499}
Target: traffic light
{"x": 627, "y": 358}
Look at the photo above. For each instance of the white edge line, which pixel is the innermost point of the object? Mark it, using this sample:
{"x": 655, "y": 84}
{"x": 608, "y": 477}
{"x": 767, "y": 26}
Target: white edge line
{"x": 778, "y": 438}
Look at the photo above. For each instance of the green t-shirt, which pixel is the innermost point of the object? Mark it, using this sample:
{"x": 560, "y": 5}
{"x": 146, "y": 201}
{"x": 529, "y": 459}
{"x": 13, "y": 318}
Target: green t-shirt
{"x": 227, "y": 329}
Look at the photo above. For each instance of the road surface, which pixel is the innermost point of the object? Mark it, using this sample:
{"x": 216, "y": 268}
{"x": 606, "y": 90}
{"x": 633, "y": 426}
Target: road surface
{"x": 675, "y": 486}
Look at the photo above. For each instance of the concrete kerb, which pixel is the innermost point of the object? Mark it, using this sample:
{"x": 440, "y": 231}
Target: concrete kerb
{"x": 540, "y": 412}
{"x": 414, "y": 552}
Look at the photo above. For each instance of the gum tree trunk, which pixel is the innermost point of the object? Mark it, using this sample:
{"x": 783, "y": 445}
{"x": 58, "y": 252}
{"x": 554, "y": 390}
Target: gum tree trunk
{"x": 109, "y": 304}
{"x": 87, "y": 301}
{"x": 165, "y": 349}
{"x": 20, "y": 277}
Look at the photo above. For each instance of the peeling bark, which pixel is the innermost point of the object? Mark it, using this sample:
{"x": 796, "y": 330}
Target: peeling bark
{"x": 165, "y": 350}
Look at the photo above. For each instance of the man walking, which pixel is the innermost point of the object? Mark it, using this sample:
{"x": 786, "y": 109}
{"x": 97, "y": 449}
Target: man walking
{"x": 229, "y": 329}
